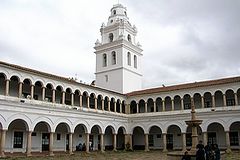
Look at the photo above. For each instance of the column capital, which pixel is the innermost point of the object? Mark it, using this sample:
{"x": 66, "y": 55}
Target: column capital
{"x": 8, "y": 80}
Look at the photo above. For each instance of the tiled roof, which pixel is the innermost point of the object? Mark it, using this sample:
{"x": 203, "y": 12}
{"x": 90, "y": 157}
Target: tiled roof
{"x": 185, "y": 86}
{"x": 48, "y": 75}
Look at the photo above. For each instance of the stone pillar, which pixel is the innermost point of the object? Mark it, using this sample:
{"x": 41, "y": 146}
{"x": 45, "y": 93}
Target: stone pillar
{"x": 29, "y": 144}
{"x": 63, "y": 97}
{"x": 194, "y": 138}
{"x": 87, "y": 142}
{"x": 146, "y": 107}
{"x": 43, "y": 93}
{"x": 7, "y": 87}
{"x": 102, "y": 142}
{"x": 205, "y": 138}
{"x": 88, "y": 104}
{"x": 114, "y": 142}
{"x": 53, "y": 95}
{"x": 2, "y": 146}
{"x": 202, "y": 101}
{"x": 120, "y": 107}
{"x": 72, "y": 99}
{"x": 154, "y": 106}
{"x": 228, "y": 142}
{"x": 80, "y": 101}
{"x": 146, "y": 143}
{"x": 115, "y": 107}
{"x": 182, "y": 104}
{"x": 103, "y": 104}
{"x": 163, "y": 105}
{"x": 109, "y": 106}
{"x": 70, "y": 143}
{"x": 224, "y": 100}
{"x": 172, "y": 104}
{"x": 20, "y": 87}
{"x": 128, "y": 141}
{"x": 184, "y": 147}
{"x": 164, "y": 142}
{"x": 213, "y": 102}
{"x": 95, "y": 103}
{"x": 236, "y": 99}
{"x": 137, "y": 108}
{"x": 51, "y": 144}
{"x": 32, "y": 91}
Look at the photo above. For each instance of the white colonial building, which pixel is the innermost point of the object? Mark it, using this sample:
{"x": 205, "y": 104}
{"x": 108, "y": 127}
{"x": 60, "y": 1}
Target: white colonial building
{"x": 41, "y": 112}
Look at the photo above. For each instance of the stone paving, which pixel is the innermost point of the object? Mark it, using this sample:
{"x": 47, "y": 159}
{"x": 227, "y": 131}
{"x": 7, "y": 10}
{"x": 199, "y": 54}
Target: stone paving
{"x": 120, "y": 155}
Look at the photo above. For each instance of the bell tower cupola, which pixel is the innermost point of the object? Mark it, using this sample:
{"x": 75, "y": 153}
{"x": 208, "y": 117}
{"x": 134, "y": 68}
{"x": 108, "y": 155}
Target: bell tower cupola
{"x": 118, "y": 54}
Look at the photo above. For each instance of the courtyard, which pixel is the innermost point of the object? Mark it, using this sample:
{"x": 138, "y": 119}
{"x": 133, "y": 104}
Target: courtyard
{"x": 120, "y": 155}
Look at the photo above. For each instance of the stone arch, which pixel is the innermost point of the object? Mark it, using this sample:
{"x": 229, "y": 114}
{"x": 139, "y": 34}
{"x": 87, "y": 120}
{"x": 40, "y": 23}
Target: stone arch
{"x": 205, "y": 124}
{"x": 26, "y": 125}
{"x": 3, "y": 78}
{"x": 65, "y": 121}
{"x": 123, "y": 128}
{"x": 133, "y": 107}
{"x": 99, "y": 126}
{"x": 112, "y": 128}
{"x": 152, "y": 125}
{"x": 231, "y": 121}
{"x": 168, "y": 103}
{"x": 83, "y": 123}
{"x": 23, "y": 117}
{"x": 150, "y": 105}
{"x": 177, "y": 102}
{"x": 218, "y": 97}
{"x": 141, "y": 106}
{"x": 187, "y": 101}
{"x": 197, "y": 99}
{"x": 138, "y": 139}
{"x": 230, "y": 98}
{"x": 138, "y": 125}
{"x": 45, "y": 120}
{"x": 3, "y": 122}
{"x": 180, "y": 124}
{"x": 207, "y": 99}
{"x": 14, "y": 86}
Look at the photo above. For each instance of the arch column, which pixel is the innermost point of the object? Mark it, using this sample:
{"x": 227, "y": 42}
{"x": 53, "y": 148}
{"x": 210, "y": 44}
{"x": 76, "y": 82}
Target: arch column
{"x": 205, "y": 138}
{"x": 102, "y": 142}
{"x": 20, "y": 88}
{"x": 182, "y": 105}
{"x": 72, "y": 99}
{"x": 115, "y": 107}
{"x": 163, "y": 105}
{"x": 224, "y": 100}
{"x": 51, "y": 144}
{"x": 154, "y": 106}
{"x": 128, "y": 141}
{"x": 80, "y": 101}
{"x": 120, "y": 107}
{"x": 109, "y": 106}
{"x": 63, "y": 97}
{"x": 202, "y": 101}
{"x": 184, "y": 147}
{"x": 70, "y": 143}
{"x": 213, "y": 102}
{"x": 114, "y": 142}
{"x": 87, "y": 142}
{"x": 146, "y": 143}
{"x": 95, "y": 103}
{"x": 43, "y": 93}
{"x": 29, "y": 144}
{"x": 164, "y": 142}
{"x": 137, "y": 108}
{"x": 88, "y": 102}
{"x": 2, "y": 145}
{"x": 236, "y": 99}
{"x": 103, "y": 104}
{"x": 53, "y": 95}
{"x": 32, "y": 91}
{"x": 145, "y": 107}
{"x": 228, "y": 142}
{"x": 7, "y": 87}
{"x": 172, "y": 100}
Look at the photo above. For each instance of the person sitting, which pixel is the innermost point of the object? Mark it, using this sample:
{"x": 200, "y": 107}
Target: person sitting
{"x": 79, "y": 147}
{"x": 186, "y": 156}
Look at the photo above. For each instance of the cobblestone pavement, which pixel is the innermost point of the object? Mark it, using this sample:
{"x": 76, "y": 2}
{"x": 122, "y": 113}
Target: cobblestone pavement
{"x": 121, "y": 155}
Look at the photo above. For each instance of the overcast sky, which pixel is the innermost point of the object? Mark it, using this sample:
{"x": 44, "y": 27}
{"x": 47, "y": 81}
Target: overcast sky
{"x": 183, "y": 40}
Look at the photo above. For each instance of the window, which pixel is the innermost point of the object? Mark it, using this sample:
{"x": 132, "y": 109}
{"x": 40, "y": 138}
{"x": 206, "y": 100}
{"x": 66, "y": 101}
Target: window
{"x": 106, "y": 78}
{"x": 110, "y": 37}
{"x": 18, "y": 140}
{"x": 104, "y": 60}
{"x": 135, "y": 61}
{"x": 234, "y": 138}
{"x": 189, "y": 139}
{"x": 58, "y": 137}
{"x": 129, "y": 58}
{"x": 114, "y": 58}
{"x": 150, "y": 140}
{"x": 129, "y": 38}
{"x": 230, "y": 102}
{"x": 114, "y": 12}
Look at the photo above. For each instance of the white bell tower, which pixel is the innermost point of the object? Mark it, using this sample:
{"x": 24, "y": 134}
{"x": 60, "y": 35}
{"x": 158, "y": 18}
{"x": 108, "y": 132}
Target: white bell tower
{"x": 118, "y": 55}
